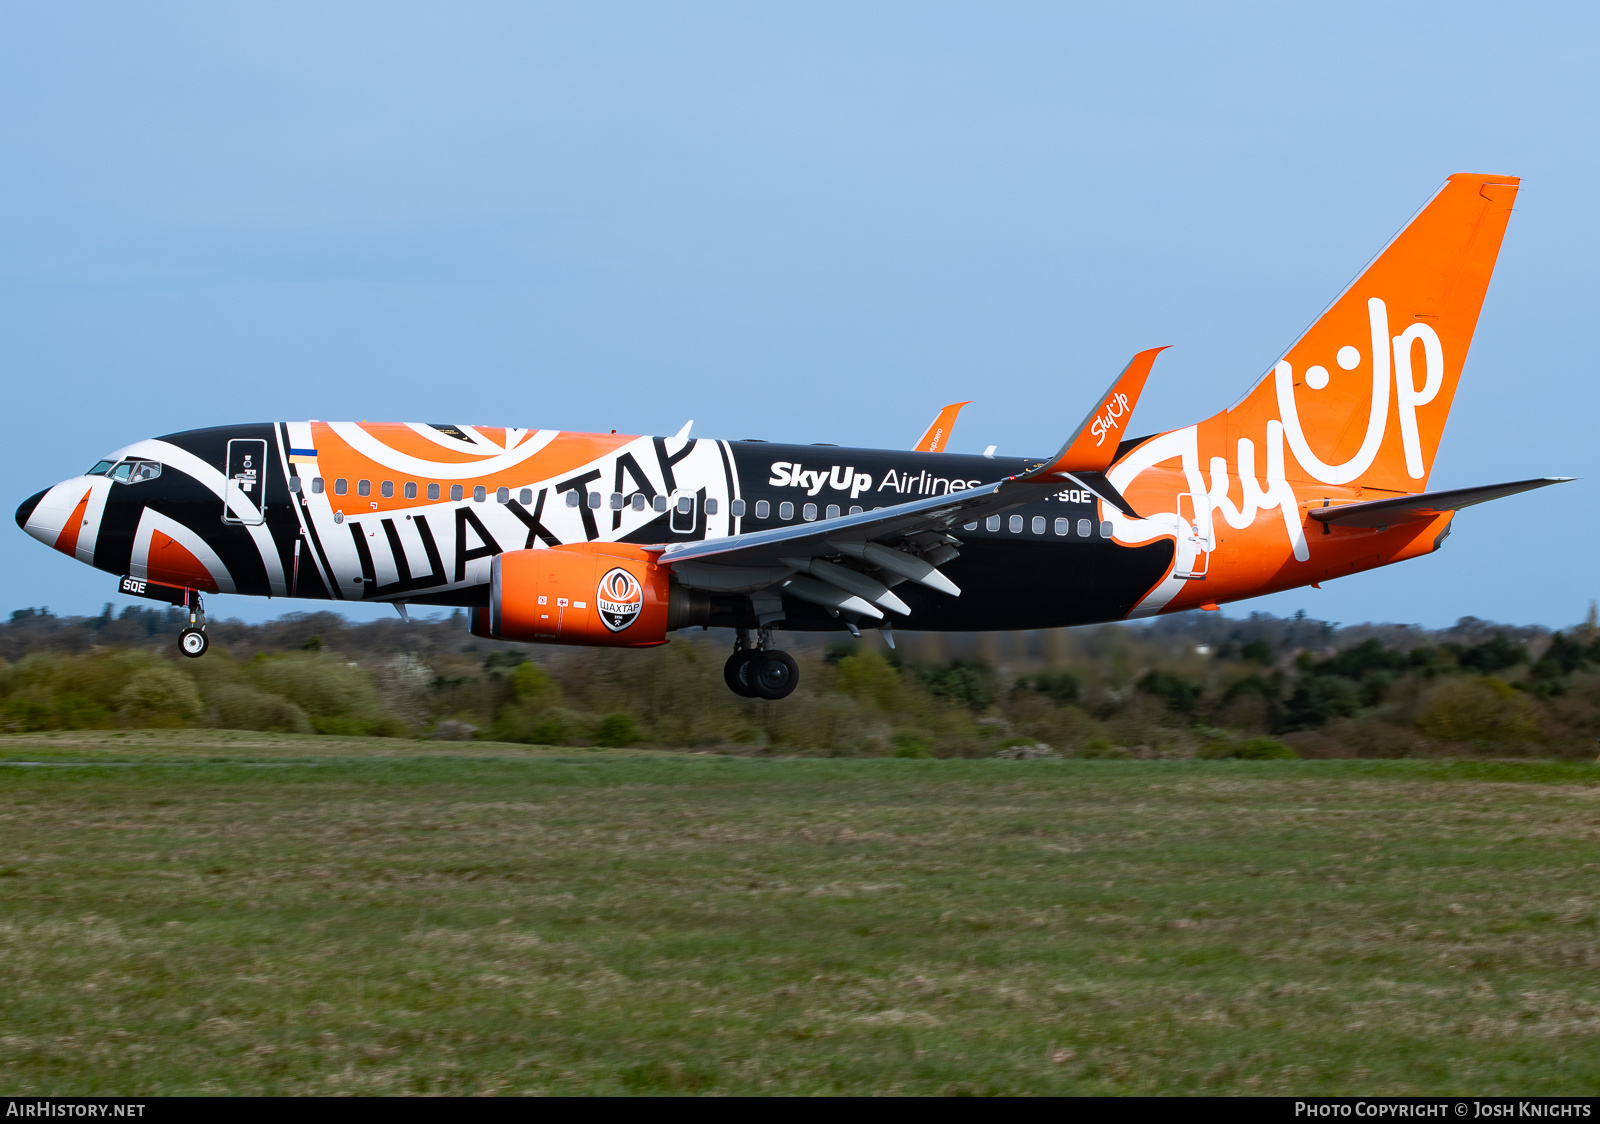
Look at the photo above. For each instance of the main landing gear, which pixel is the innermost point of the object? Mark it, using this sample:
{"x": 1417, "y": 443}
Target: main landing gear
{"x": 759, "y": 671}
{"x": 193, "y": 641}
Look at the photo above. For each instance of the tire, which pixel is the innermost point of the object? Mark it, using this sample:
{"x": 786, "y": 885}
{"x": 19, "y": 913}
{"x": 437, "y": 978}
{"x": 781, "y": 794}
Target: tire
{"x": 193, "y": 643}
{"x": 736, "y": 673}
{"x": 775, "y": 675}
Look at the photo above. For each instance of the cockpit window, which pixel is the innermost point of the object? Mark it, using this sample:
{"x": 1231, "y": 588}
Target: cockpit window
{"x": 101, "y": 468}
{"x": 132, "y": 472}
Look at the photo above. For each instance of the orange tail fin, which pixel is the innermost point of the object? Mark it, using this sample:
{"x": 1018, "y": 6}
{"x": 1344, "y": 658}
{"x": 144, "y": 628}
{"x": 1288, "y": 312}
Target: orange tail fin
{"x": 1363, "y": 396}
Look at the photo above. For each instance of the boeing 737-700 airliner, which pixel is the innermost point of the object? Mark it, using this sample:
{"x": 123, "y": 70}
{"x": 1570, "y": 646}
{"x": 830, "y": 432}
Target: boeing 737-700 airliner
{"x": 549, "y": 536}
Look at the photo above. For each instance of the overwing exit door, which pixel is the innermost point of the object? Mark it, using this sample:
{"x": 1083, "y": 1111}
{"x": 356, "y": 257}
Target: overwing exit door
{"x": 244, "y": 500}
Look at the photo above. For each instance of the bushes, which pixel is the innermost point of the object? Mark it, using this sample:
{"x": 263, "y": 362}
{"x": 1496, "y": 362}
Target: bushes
{"x": 910, "y": 743}
{"x": 1484, "y": 710}
{"x": 1319, "y": 698}
{"x": 868, "y": 678}
{"x": 158, "y": 696}
{"x": 1060, "y": 687}
{"x": 137, "y": 689}
{"x": 964, "y": 682}
{"x": 1250, "y": 749}
{"x": 1179, "y": 694}
{"x": 617, "y": 730}
{"x": 1111, "y": 691}
{"x": 338, "y": 696}
{"x": 234, "y": 706}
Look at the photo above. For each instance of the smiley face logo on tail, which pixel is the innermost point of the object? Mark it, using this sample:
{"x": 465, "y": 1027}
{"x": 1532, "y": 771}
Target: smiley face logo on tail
{"x": 620, "y": 599}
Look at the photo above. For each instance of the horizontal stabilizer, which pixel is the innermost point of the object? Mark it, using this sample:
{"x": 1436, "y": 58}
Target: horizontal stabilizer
{"x": 1425, "y": 505}
{"x": 1094, "y": 446}
{"x": 937, "y": 439}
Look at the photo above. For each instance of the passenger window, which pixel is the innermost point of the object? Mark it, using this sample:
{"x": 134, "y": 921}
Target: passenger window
{"x": 1016, "y": 524}
{"x": 855, "y": 509}
{"x": 572, "y": 499}
{"x": 992, "y": 523}
{"x": 638, "y": 501}
{"x": 433, "y": 491}
{"x": 386, "y": 489}
{"x": 685, "y": 504}
{"x": 122, "y": 472}
{"x": 525, "y": 496}
{"x": 659, "y": 503}
{"x": 736, "y": 509}
{"x": 1038, "y": 524}
{"x": 1106, "y": 529}
{"x": 1085, "y": 528}
{"x": 763, "y": 509}
{"x": 833, "y": 511}
{"x": 411, "y": 489}
{"x": 340, "y": 486}
{"x": 502, "y": 495}
{"x": 316, "y": 485}
{"x": 786, "y": 510}
{"x": 594, "y": 499}
{"x": 295, "y": 485}
{"x": 363, "y": 487}
{"x": 711, "y": 507}
{"x": 616, "y": 501}
{"x": 1063, "y": 526}
{"x": 969, "y": 526}
{"x": 809, "y": 512}
{"x": 455, "y": 491}
{"x": 479, "y": 493}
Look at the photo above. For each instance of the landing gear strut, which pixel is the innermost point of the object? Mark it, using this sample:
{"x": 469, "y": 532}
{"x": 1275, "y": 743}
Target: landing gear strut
{"x": 756, "y": 670}
{"x": 193, "y": 641}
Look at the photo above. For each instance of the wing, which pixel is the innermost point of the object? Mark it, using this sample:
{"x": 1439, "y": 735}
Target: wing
{"x": 851, "y": 564}
{"x": 1424, "y": 505}
{"x": 937, "y": 439}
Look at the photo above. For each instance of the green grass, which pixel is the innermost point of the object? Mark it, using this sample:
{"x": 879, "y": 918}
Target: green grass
{"x": 374, "y": 916}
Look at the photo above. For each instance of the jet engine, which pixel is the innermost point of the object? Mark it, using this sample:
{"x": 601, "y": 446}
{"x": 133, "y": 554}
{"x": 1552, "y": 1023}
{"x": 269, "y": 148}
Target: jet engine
{"x": 597, "y": 594}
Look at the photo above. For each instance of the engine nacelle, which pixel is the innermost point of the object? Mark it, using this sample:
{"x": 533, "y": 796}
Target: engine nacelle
{"x": 599, "y": 594}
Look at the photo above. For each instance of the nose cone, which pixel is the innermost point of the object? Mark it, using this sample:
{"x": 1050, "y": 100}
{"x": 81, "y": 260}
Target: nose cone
{"x": 25, "y": 512}
{"x": 67, "y": 517}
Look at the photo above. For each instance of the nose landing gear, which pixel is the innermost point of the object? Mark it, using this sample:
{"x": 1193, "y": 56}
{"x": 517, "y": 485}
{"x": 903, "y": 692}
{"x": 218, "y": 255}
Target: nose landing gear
{"x": 193, "y": 640}
{"x": 759, "y": 671}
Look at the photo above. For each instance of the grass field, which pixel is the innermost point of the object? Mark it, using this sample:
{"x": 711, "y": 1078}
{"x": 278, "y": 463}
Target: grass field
{"x": 253, "y": 913}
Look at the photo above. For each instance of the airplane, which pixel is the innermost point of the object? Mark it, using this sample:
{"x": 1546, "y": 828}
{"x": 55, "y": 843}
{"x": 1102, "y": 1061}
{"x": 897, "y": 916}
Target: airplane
{"x": 557, "y": 537}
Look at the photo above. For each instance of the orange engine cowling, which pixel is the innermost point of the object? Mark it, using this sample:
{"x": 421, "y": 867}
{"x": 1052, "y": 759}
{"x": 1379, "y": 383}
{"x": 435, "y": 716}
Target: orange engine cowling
{"x": 612, "y": 595}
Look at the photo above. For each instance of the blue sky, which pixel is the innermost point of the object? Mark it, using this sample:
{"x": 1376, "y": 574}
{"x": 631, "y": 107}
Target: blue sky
{"x": 808, "y": 222}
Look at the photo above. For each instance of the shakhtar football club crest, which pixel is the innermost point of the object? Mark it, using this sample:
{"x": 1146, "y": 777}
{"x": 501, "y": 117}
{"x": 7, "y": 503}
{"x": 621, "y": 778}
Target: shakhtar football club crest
{"x": 620, "y": 599}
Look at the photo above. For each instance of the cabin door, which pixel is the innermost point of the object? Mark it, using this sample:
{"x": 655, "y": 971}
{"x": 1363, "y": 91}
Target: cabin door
{"x": 244, "y": 498}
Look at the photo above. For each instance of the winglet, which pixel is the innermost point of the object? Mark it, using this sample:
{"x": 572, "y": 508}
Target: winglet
{"x": 937, "y": 439}
{"x": 1093, "y": 447}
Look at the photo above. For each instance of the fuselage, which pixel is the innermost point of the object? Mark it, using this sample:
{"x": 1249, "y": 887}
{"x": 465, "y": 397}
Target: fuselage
{"x": 414, "y": 513}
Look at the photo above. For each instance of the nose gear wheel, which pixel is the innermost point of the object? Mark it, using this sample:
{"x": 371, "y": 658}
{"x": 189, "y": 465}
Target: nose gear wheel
{"x": 193, "y": 640}
{"x": 193, "y": 643}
